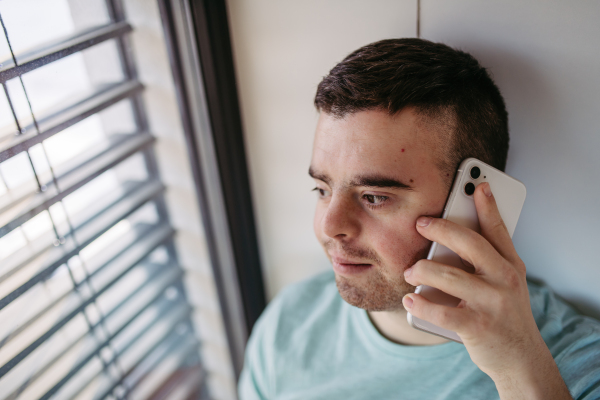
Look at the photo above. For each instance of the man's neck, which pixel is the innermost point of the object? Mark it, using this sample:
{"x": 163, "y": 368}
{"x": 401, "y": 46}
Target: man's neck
{"x": 394, "y": 326}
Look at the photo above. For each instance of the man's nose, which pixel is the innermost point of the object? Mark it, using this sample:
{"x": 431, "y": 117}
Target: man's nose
{"x": 340, "y": 220}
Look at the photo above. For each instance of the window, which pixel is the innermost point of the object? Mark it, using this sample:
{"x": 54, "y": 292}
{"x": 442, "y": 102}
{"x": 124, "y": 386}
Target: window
{"x": 92, "y": 296}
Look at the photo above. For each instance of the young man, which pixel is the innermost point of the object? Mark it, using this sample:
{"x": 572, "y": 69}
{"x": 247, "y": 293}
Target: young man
{"x": 397, "y": 118}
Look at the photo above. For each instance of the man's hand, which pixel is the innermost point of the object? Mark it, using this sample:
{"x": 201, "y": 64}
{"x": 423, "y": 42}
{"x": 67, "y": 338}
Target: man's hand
{"x": 494, "y": 317}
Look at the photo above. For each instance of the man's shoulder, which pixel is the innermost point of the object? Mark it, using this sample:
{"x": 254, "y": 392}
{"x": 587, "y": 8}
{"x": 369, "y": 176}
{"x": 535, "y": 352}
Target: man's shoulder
{"x": 292, "y": 327}
{"x": 572, "y": 338}
{"x": 301, "y": 310}
{"x": 310, "y": 292}
{"x": 299, "y": 302}
{"x": 555, "y": 316}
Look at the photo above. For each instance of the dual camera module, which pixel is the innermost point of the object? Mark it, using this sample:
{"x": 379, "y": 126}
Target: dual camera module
{"x": 470, "y": 186}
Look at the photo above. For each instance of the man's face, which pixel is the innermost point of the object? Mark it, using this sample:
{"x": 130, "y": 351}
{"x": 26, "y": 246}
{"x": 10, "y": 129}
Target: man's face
{"x": 375, "y": 175}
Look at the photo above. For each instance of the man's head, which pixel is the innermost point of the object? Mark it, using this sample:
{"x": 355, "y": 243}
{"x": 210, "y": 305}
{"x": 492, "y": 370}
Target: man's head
{"x": 397, "y": 117}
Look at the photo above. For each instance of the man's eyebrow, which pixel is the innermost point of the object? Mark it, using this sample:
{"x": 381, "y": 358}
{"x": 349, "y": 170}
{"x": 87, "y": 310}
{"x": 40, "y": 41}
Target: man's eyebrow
{"x": 374, "y": 181}
{"x": 379, "y": 181}
{"x": 315, "y": 175}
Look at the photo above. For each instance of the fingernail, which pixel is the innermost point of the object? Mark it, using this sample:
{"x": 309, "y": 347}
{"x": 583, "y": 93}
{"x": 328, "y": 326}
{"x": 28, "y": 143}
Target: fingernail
{"x": 407, "y": 272}
{"x": 407, "y": 301}
{"x": 424, "y": 221}
{"x": 487, "y": 190}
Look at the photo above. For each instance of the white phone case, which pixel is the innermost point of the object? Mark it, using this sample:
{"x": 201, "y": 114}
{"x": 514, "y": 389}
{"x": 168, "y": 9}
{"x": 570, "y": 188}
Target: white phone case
{"x": 460, "y": 208}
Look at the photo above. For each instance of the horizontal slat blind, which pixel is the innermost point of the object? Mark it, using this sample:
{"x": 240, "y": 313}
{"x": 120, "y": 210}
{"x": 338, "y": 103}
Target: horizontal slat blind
{"x": 66, "y": 117}
{"x": 92, "y": 303}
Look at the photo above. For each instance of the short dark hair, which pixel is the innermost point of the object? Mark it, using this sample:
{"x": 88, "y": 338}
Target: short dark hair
{"x": 442, "y": 84}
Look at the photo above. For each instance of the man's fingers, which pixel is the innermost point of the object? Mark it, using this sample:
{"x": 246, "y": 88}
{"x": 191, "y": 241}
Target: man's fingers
{"x": 468, "y": 244}
{"x": 451, "y": 280}
{"x": 442, "y": 316}
{"x": 490, "y": 221}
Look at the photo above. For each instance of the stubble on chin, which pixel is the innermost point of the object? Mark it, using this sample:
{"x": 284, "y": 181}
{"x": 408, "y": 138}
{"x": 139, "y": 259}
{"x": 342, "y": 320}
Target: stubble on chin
{"x": 378, "y": 292}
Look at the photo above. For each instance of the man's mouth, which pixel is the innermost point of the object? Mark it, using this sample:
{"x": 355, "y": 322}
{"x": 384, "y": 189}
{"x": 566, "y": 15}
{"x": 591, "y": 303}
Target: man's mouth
{"x": 346, "y": 266}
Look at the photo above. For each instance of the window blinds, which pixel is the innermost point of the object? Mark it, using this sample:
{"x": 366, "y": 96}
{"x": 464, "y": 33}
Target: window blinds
{"x": 92, "y": 303}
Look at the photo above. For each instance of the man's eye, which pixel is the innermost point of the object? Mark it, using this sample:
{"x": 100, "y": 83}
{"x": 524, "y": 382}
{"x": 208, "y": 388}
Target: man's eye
{"x": 375, "y": 200}
{"x": 321, "y": 192}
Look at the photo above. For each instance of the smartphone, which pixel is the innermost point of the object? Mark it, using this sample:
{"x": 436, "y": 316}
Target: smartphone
{"x": 460, "y": 208}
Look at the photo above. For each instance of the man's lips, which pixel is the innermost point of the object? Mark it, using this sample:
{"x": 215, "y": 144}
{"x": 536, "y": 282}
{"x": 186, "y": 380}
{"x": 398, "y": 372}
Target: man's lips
{"x": 342, "y": 260}
{"x": 346, "y": 266}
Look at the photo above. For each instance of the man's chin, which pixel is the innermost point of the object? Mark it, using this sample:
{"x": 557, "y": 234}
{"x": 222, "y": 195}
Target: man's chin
{"x": 373, "y": 294}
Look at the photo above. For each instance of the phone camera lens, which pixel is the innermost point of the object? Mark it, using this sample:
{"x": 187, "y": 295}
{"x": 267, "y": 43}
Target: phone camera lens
{"x": 475, "y": 172}
{"x": 470, "y": 188}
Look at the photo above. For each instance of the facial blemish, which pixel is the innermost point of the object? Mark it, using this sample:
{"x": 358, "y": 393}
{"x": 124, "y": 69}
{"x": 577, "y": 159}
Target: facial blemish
{"x": 411, "y": 181}
{"x": 402, "y": 150}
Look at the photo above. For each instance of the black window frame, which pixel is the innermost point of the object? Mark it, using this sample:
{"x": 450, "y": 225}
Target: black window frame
{"x": 200, "y": 51}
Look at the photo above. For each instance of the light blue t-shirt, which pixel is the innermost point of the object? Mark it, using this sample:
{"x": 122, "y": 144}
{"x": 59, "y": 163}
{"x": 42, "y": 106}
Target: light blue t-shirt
{"x": 311, "y": 344}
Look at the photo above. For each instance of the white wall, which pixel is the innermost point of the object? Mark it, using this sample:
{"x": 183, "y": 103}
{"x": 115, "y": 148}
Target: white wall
{"x": 544, "y": 57}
